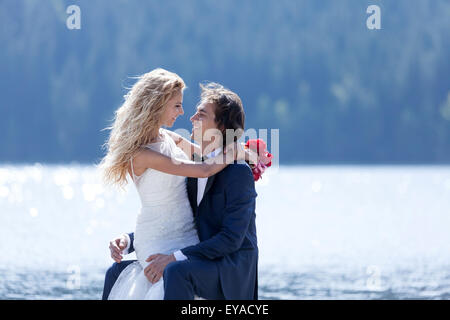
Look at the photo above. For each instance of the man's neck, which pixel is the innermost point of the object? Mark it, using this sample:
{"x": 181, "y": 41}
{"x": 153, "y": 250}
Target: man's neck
{"x": 208, "y": 148}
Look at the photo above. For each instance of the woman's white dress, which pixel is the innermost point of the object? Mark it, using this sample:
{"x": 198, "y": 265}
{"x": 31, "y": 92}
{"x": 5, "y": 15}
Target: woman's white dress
{"x": 165, "y": 224}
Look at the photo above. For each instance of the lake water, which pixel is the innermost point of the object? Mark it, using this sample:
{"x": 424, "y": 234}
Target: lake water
{"x": 324, "y": 232}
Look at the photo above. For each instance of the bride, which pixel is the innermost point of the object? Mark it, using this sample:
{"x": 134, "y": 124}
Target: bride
{"x": 138, "y": 146}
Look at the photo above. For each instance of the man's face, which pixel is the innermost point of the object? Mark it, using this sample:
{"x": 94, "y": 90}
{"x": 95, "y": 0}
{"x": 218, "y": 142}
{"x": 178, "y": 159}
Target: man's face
{"x": 202, "y": 121}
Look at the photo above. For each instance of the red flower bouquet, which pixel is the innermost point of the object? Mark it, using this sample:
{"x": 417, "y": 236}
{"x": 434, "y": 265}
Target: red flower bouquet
{"x": 264, "y": 157}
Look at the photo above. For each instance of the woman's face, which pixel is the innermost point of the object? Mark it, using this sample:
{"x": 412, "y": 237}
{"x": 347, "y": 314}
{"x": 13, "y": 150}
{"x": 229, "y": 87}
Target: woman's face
{"x": 173, "y": 109}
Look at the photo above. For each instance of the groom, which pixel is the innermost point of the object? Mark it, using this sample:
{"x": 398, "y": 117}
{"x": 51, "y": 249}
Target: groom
{"x": 224, "y": 264}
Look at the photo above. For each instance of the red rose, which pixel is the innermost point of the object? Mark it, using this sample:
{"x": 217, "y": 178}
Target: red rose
{"x": 256, "y": 145}
{"x": 264, "y": 157}
{"x": 260, "y": 147}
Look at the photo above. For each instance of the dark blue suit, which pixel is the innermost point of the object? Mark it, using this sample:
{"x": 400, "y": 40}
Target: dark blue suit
{"x": 224, "y": 265}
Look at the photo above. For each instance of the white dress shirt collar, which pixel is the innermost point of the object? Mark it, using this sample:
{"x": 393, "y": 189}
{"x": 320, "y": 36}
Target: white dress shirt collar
{"x": 214, "y": 153}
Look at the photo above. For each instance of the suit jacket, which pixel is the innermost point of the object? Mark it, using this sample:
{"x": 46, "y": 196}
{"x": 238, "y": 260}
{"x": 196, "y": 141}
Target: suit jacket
{"x": 225, "y": 220}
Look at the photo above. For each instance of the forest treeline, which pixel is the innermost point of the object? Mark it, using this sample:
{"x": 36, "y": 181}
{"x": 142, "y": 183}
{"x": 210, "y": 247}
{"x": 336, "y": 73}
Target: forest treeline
{"x": 337, "y": 91}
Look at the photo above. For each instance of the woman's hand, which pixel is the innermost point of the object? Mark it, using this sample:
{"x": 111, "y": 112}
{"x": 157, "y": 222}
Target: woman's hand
{"x": 237, "y": 152}
{"x": 251, "y": 156}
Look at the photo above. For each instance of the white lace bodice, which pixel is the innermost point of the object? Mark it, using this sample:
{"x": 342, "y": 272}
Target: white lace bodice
{"x": 165, "y": 223}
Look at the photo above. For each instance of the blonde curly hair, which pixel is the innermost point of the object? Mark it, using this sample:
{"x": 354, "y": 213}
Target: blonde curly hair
{"x": 137, "y": 122}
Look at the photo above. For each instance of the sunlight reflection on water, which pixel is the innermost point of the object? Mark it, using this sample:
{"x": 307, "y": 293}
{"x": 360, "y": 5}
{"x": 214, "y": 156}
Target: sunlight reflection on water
{"x": 324, "y": 232}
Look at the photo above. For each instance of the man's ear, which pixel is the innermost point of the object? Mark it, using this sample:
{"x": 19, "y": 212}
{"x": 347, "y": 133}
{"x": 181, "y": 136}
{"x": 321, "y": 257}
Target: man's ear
{"x": 220, "y": 127}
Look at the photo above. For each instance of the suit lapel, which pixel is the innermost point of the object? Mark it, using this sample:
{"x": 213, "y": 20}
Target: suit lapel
{"x": 208, "y": 186}
{"x": 191, "y": 185}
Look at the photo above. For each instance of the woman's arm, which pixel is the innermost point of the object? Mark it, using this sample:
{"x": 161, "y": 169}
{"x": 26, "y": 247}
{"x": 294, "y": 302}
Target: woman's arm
{"x": 190, "y": 148}
{"x": 147, "y": 158}
{"x": 187, "y": 146}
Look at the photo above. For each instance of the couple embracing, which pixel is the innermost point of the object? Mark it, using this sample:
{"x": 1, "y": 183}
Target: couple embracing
{"x": 195, "y": 236}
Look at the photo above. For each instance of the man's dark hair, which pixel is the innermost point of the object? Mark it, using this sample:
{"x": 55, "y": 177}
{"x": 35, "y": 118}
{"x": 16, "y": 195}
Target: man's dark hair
{"x": 229, "y": 112}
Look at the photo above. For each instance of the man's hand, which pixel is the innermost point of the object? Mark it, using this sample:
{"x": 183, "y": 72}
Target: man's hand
{"x": 116, "y": 247}
{"x": 154, "y": 271}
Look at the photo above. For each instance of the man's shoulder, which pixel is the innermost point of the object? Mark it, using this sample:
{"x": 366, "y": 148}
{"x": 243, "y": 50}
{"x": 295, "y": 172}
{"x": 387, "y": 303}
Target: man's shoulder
{"x": 238, "y": 169}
